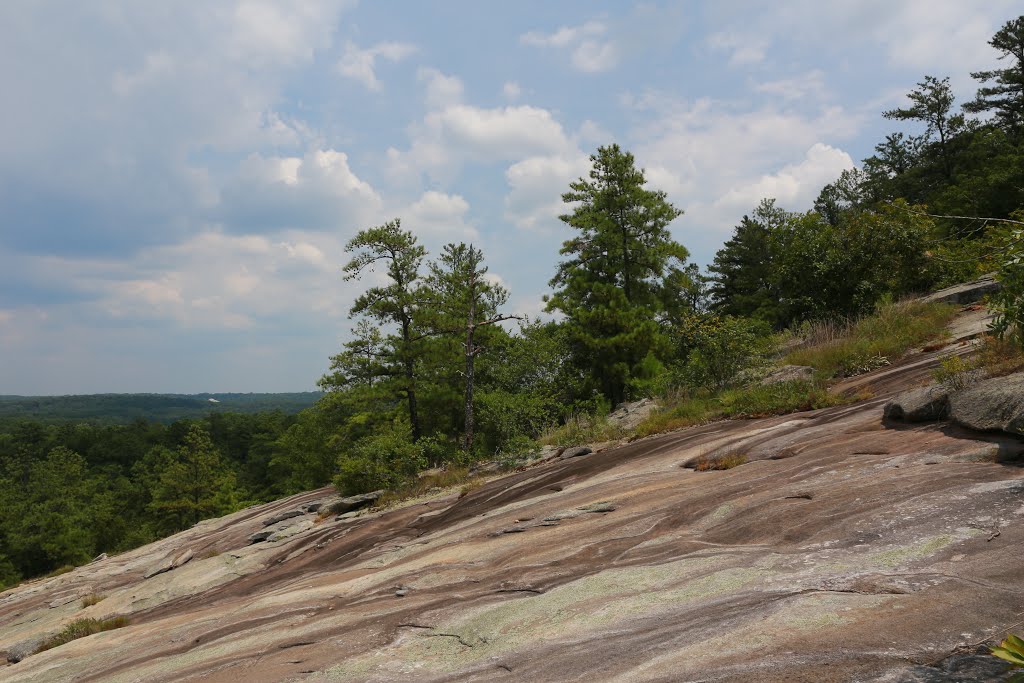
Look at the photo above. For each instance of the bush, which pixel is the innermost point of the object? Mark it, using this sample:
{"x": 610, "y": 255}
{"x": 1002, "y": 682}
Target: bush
{"x": 715, "y": 349}
{"x": 956, "y": 373}
{"x": 777, "y": 399}
{"x": 382, "y": 461}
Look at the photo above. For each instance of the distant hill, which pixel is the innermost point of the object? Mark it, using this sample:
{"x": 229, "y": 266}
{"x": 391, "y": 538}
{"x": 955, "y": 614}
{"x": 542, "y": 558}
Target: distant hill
{"x": 166, "y": 408}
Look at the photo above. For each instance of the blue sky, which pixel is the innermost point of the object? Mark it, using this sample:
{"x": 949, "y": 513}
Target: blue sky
{"x": 178, "y": 179}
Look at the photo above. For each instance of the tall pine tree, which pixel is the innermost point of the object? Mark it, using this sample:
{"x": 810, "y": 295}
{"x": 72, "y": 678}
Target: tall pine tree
{"x": 622, "y": 273}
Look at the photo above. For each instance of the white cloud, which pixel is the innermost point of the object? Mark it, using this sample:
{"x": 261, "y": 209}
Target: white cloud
{"x": 565, "y": 36}
{"x": 743, "y": 49}
{"x": 805, "y": 86}
{"x": 536, "y": 184}
{"x": 318, "y": 191}
{"x": 449, "y": 137}
{"x": 360, "y": 64}
{"x": 511, "y": 90}
{"x": 591, "y": 52}
{"x": 794, "y": 185}
{"x": 439, "y": 218}
{"x": 441, "y": 89}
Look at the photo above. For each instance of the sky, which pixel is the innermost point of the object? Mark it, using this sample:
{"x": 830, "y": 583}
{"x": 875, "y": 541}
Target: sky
{"x": 178, "y": 179}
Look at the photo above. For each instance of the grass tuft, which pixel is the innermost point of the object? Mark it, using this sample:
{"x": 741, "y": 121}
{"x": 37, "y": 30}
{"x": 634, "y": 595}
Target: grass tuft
{"x": 726, "y": 461}
{"x": 81, "y": 628}
{"x": 851, "y": 348}
{"x": 92, "y": 599}
{"x": 581, "y": 429}
{"x": 436, "y": 481}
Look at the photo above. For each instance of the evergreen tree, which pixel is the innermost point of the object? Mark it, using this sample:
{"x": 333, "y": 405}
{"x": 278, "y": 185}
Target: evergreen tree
{"x": 194, "y": 485}
{"x": 464, "y": 301}
{"x": 931, "y": 104}
{"x": 743, "y": 279}
{"x": 618, "y": 278}
{"x": 393, "y": 304}
{"x": 1005, "y": 97}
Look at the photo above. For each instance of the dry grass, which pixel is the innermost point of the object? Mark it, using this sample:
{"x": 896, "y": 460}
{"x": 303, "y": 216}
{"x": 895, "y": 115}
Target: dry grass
{"x": 92, "y": 599}
{"x": 726, "y": 461}
{"x": 999, "y": 357}
{"x": 581, "y": 429}
{"x": 845, "y": 349}
{"x": 432, "y": 483}
{"x": 81, "y": 628}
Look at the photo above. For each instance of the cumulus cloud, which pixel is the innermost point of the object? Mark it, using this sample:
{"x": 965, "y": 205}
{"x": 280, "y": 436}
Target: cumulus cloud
{"x": 441, "y": 89}
{"x": 590, "y": 50}
{"x": 360, "y": 64}
{"x": 536, "y": 184}
{"x": 439, "y": 218}
{"x": 794, "y": 185}
{"x": 318, "y": 191}
{"x": 456, "y": 134}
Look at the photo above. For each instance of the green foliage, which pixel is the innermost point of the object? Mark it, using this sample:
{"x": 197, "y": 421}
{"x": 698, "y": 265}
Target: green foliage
{"x": 80, "y": 628}
{"x": 743, "y": 282}
{"x": 1012, "y": 651}
{"x": 192, "y": 485}
{"x": 385, "y": 460}
{"x": 955, "y": 372}
{"x": 621, "y": 274}
{"x": 1008, "y": 302}
{"x": 1005, "y": 97}
{"x": 714, "y": 350}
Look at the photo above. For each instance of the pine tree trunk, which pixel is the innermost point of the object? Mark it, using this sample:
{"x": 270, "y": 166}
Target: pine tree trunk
{"x": 410, "y": 382}
{"x": 470, "y": 353}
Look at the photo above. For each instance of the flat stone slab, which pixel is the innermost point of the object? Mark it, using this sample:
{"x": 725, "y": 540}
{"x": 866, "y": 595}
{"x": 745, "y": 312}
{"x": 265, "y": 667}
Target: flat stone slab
{"x": 966, "y": 293}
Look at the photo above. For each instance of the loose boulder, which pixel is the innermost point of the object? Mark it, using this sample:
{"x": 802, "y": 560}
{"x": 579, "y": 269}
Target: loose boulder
{"x": 168, "y": 563}
{"x": 995, "y": 404}
{"x": 281, "y": 516}
{"x": 575, "y": 452}
{"x": 356, "y": 502}
{"x": 919, "y": 405}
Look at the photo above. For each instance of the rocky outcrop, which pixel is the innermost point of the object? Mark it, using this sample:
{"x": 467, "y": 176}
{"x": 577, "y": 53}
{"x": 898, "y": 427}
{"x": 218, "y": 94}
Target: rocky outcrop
{"x": 995, "y": 404}
{"x": 168, "y": 563}
{"x": 355, "y": 502}
{"x": 628, "y": 415}
{"x": 966, "y": 293}
{"x": 926, "y": 404}
{"x": 788, "y": 373}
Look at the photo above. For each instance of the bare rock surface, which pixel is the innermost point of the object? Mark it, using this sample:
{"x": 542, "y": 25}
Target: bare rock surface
{"x": 845, "y": 549}
{"x": 966, "y": 293}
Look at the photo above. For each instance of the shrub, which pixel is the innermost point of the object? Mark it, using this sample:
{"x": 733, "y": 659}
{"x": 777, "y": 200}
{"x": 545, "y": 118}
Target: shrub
{"x": 81, "y": 628}
{"x": 956, "y": 372}
{"x": 777, "y": 399}
{"x": 1000, "y": 357}
{"x": 383, "y": 461}
{"x": 715, "y": 349}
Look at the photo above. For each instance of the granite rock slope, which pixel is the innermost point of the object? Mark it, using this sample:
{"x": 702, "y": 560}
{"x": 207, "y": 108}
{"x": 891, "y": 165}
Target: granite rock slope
{"x": 845, "y": 549}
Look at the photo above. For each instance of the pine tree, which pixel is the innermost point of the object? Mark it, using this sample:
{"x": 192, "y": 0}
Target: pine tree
{"x": 1005, "y": 97}
{"x": 463, "y": 302}
{"x": 194, "y": 485}
{"x": 622, "y": 273}
{"x": 393, "y": 358}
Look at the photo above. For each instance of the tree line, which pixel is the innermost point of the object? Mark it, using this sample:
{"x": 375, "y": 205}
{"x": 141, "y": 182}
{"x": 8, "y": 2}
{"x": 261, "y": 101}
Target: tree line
{"x": 439, "y": 372}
